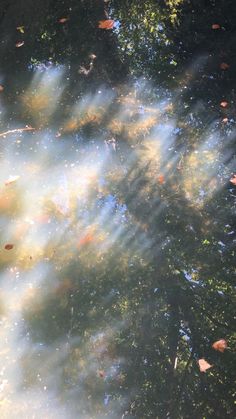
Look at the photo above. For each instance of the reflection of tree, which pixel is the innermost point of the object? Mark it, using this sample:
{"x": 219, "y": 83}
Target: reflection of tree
{"x": 136, "y": 300}
{"x": 146, "y": 309}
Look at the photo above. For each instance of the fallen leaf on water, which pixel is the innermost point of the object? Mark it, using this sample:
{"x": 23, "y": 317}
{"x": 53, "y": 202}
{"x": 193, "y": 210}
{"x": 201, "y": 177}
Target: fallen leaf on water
{"x": 106, "y": 24}
{"x": 92, "y": 56}
{"x": 223, "y": 104}
{"x": 63, "y": 20}
{"x": 161, "y": 179}
{"x": 21, "y": 29}
{"x": 220, "y": 345}
{"x": 19, "y": 44}
{"x": 9, "y": 246}
{"x": 101, "y": 373}
{"x": 88, "y": 238}
{"x": 11, "y": 179}
{"x": 215, "y": 26}
{"x": 224, "y": 66}
{"x": 233, "y": 180}
{"x": 203, "y": 365}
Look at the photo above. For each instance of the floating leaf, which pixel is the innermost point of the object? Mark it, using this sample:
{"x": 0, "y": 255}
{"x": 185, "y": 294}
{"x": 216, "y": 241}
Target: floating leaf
{"x": 101, "y": 373}
{"x": 223, "y": 104}
{"x": 92, "y": 56}
{"x": 224, "y": 66}
{"x": 19, "y": 44}
{"x": 215, "y": 26}
{"x": 106, "y": 24}
{"x": 21, "y": 29}
{"x": 9, "y": 246}
{"x": 86, "y": 239}
{"x": 11, "y": 179}
{"x": 233, "y": 180}
{"x": 203, "y": 365}
{"x": 63, "y": 20}
{"x": 220, "y": 345}
{"x": 161, "y": 179}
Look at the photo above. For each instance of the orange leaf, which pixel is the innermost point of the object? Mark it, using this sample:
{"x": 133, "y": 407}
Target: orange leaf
{"x": 161, "y": 179}
{"x": 19, "y": 44}
{"x": 9, "y": 246}
{"x": 220, "y": 345}
{"x": 215, "y": 26}
{"x": 203, "y": 365}
{"x": 106, "y": 24}
{"x": 223, "y": 104}
{"x": 224, "y": 66}
{"x": 87, "y": 238}
{"x": 233, "y": 180}
{"x": 63, "y": 20}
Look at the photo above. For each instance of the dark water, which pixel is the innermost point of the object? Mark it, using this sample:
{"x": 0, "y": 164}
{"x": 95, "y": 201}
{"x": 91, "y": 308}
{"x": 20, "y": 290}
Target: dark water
{"x": 117, "y": 229}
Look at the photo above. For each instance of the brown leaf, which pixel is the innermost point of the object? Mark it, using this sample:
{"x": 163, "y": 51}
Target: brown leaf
{"x": 11, "y": 179}
{"x": 101, "y": 373}
{"x": 203, "y": 365}
{"x": 215, "y": 26}
{"x": 233, "y": 180}
{"x": 19, "y": 44}
{"x": 86, "y": 239}
{"x": 224, "y": 104}
{"x": 9, "y": 246}
{"x": 220, "y": 345}
{"x": 63, "y": 20}
{"x": 161, "y": 179}
{"x": 106, "y": 24}
{"x": 224, "y": 66}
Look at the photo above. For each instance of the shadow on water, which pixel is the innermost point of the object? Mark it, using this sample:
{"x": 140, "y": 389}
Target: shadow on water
{"x": 117, "y": 233}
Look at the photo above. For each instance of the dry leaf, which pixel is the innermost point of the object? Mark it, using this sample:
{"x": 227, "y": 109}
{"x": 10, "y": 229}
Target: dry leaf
{"x": 161, "y": 179}
{"x": 63, "y": 20}
{"x": 233, "y": 180}
{"x": 21, "y": 29}
{"x": 88, "y": 238}
{"x": 223, "y": 104}
{"x": 9, "y": 246}
{"x": 220, "y": 345}
{"x": 11, "y": 179}
{"x": 106, "y": 24}
{"x": 203, "y": 365}
{"x": 224, "y": 66}
{"x": 19, "y": 44}
{"x": 101, "y": 373}
{"x": 215, "y": 26}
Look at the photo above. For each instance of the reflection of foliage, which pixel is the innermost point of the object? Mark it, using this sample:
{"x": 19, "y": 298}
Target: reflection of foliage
{"x": 152, "y": 302}
{"x": 140, "y": 280}
{"x": 143, "y": 25}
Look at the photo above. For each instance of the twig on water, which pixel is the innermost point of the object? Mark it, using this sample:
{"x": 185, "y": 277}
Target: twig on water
{"x": 11, "y": 131}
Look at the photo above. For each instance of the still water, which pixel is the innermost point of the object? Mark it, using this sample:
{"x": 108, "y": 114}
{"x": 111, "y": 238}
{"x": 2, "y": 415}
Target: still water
{"x": 117, "y": 236}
